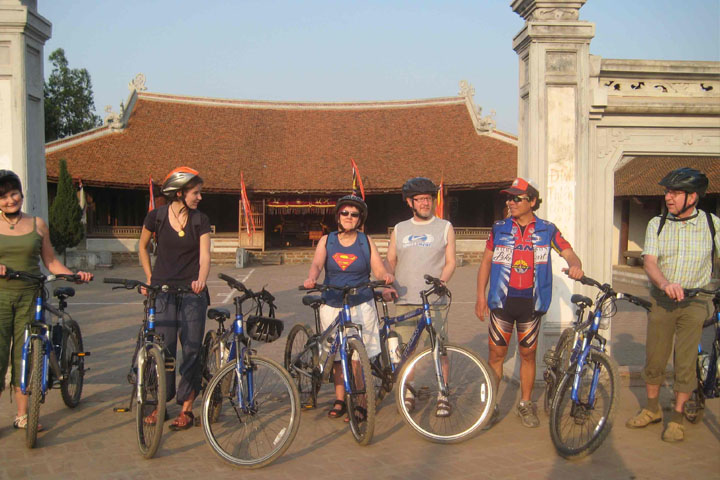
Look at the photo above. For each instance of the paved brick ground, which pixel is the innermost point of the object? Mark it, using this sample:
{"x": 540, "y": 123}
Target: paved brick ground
{"x": 93, "y": 442}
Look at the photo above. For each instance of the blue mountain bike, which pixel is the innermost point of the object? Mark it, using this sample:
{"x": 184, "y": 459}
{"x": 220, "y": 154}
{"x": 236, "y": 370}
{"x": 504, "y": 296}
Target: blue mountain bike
{"x": 582, "y": 380}
{"x": 51, "y": 354}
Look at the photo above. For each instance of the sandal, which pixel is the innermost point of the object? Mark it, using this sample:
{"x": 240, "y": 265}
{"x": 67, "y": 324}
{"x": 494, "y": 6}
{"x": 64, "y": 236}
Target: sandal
{"x": 409, "y": 399}
{"x": 20, "y": 422}
{"x": 444, "y": 409}
{"x": 152, "y": 418}
{"x": 337, "y": 412}
{"x": 183, "y": 421}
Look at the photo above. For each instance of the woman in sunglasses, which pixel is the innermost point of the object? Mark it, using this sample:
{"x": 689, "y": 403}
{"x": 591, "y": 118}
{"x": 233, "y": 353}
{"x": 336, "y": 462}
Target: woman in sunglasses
{"x": 348, "y": 257}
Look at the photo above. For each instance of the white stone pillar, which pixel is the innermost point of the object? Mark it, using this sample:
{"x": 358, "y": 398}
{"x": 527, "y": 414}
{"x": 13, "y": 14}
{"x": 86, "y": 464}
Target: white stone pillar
{"x": 553, "y": 50}
{"x": 23, "y": 34}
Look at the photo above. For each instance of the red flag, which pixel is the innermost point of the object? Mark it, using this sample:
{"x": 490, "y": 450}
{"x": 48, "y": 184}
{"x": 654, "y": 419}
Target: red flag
{"x": 249, "y": 221}
{"x": 151, "y": 204}
{"x": 439, "y": 211}
{"x": 357, "y": 186}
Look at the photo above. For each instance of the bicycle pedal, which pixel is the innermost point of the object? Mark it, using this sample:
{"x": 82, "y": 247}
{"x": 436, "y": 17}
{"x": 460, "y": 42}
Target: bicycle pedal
{"x": 197, "y": 422}
{"x": 121, "y": 410}
{"x": 169, "y": 364}
{"x": 82, "y": 354}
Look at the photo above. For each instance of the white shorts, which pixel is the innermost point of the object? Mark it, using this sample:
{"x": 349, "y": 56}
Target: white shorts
{"x": 363, "y": 314}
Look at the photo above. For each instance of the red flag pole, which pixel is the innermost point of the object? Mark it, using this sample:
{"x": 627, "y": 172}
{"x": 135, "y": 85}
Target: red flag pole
{"x": 249, "y": 221}
{"x": 357, "y": 181}
{"x": 440, "y": 211}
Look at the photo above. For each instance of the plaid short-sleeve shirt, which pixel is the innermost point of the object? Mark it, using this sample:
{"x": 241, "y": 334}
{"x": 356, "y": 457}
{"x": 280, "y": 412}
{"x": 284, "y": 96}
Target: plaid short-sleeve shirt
{"x": 683, "y": 249}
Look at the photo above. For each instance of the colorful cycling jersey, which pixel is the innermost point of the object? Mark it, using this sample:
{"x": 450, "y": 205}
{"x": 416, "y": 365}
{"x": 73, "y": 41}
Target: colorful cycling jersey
{"x": 521, "y": 264}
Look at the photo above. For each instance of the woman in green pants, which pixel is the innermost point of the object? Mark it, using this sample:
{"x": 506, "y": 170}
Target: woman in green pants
{"x": 24, "y": 242}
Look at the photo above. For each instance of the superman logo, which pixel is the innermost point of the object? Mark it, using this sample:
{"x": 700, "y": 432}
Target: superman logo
{"x": 344, "y": 260}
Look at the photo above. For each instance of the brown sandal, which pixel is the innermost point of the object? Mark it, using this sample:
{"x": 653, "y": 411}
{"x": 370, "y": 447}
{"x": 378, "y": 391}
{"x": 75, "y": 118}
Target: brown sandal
{"x": 183, "y": 421}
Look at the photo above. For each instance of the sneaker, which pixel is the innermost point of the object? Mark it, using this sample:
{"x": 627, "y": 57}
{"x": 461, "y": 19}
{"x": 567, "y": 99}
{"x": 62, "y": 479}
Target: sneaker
{"x": 493, "y": 418}
{"x": 527, "y": 414}
{"x": 644, "y": 418}
{"x": 675, "y": 432}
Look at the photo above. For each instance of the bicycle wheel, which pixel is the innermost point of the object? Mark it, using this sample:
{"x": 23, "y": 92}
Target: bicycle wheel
{"x": 470, "y": 393}
{"x": 561, "y": 362}
{"x": 37, "y": 353}
{"x": 152, "y": 399}
{"x": 361, "y": 400}
{"x": 73, "y": 366}
{"x": 578, "y": 429}
{"x": 303, "y": 369}
{"x": 211, "y": 361}
{"x": 252, "y": 430}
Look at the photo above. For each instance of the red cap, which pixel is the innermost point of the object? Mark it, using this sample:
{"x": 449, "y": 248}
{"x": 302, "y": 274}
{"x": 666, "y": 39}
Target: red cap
{"x": 520, "y": 186}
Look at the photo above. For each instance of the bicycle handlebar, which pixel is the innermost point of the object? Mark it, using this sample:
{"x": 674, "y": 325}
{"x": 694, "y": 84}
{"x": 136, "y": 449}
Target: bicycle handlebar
{"x": 263, "y": 295}
{"x": 11, "y": 274}
{"x": 346, "y": 289}
{"x": 131, "y": 284}
{"x": 607, "y": 289}
{"x": 693, "y": 292}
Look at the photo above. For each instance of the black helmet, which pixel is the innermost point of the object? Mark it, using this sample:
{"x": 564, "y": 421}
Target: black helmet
{"x": 354, "y": 201}
{"x": 687, "y": 180}
{"x": 11, "y": 178}
{"x": 419, "y": 186}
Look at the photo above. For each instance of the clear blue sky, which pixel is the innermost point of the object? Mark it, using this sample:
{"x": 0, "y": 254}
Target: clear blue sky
{"x": 324, "y": 50}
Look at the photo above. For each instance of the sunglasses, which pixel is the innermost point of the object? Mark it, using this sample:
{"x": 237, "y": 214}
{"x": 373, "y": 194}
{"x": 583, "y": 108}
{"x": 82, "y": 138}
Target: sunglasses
{"x": 516, "y": 198}
{"x": 345, "y": 213}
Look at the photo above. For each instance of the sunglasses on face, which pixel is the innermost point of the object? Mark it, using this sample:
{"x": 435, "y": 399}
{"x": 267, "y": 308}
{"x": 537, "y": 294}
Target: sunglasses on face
{"x": 345, "y": 213}
{"x": 516, "y": 198}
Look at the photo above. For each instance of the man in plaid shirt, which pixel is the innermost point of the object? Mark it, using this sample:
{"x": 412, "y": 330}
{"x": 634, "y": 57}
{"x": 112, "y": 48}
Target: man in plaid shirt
{"x": 679, "y": 250}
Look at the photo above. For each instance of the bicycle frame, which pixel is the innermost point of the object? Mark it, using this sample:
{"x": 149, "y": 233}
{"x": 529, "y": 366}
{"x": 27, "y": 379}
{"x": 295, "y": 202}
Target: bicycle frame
{"x": 424, "y": 324}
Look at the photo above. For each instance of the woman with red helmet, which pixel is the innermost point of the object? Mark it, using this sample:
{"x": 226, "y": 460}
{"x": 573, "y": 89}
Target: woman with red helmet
{"x": 24, "y": 242}
{"x": 183, "y": 259}
{"x": 348, "y": 257}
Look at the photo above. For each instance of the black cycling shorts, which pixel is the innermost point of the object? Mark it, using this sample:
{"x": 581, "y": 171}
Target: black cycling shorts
{"x": 520, "y": 311}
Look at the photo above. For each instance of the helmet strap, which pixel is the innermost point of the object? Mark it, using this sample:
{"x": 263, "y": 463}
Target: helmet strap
{"x": 687, "y": 207}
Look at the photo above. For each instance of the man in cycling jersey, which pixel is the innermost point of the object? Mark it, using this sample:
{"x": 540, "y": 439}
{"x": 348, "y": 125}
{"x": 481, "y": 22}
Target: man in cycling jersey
{"x": 517, "y": 263}
{"x": 422, "y": 245}
{"x": 674, "y": 317}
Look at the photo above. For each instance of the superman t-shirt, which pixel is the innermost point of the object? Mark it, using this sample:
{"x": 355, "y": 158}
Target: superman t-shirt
{"x": 522, "y": 270}
{"x": 346, "y": 267}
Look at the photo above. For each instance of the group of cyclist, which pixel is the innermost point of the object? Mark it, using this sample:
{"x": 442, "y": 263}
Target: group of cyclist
{"x": 514, "y": 281}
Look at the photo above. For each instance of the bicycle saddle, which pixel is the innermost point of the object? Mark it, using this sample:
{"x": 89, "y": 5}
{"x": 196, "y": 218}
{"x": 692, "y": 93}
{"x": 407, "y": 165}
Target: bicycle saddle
{"x": 313, "y": 301}
{"x": 64, "y": 292}
{"x": 218, "y": 314}
{"x": 581, "y": 300}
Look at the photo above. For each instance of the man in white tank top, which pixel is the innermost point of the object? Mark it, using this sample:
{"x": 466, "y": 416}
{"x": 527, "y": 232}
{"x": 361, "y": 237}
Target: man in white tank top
{"x": 422, "y": 245}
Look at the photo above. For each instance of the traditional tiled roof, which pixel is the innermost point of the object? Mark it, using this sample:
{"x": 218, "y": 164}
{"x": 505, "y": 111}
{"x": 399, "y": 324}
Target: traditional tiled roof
{"x": 291, "y": 147}
{"x": 640, "y": 176}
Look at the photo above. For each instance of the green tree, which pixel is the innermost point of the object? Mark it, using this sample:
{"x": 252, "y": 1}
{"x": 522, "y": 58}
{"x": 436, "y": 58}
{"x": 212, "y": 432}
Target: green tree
{"x": 69, "y": 104}
{"x": 66, "y": 229}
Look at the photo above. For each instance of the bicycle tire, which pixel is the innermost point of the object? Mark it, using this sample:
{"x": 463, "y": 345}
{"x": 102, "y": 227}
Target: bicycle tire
{"x": 303, "y": 372}
{"x": 563, "y": 350}
{"x": 37, "y": 351}
{"x": 152, "y": 397}
{"x": 362, "y": 396}
{"x": 211, "y": 361}
{"x": 471, "y": 394}
{"x": 568, "y": 420}
{"x": 73, "y": 368}
{"x": 253, "y": 438}
{"x": 380, "y": 381}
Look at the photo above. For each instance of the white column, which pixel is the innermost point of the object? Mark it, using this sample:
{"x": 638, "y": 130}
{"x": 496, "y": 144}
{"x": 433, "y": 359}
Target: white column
{"x": 553, "y": 50}
{"x": 23, "y": 33}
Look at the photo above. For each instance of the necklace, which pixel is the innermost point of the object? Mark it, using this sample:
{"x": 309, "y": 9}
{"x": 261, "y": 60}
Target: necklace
{"x": 181, "y": 233}
{"x": 12, "y": 225}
